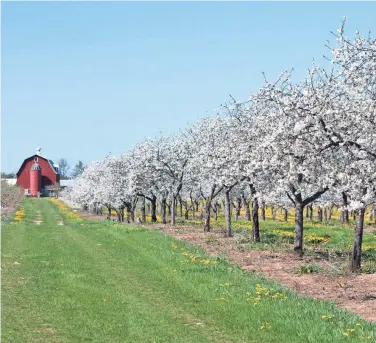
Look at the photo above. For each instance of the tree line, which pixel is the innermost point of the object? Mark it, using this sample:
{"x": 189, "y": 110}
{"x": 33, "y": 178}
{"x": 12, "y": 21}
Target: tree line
{"x": 288, "y": 145}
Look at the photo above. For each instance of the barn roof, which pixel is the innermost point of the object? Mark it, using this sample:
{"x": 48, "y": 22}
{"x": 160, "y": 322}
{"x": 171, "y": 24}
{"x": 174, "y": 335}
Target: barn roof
{"x": 53, "y": 167}
{"x": 50, "y": 162}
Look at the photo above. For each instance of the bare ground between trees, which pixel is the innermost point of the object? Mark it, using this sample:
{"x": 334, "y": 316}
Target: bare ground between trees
{"x": 356, "y": 293}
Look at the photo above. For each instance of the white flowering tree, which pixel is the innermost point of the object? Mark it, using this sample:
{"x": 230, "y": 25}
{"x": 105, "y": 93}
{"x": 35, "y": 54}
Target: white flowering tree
{"x": 294, "y": 143}
{"x": 146, "y": 179}
{"x": 352, "y": 122}
{"x": 171, "y": 162}
{"x": 85, "y": 191}
{"x": 207, "y": 165}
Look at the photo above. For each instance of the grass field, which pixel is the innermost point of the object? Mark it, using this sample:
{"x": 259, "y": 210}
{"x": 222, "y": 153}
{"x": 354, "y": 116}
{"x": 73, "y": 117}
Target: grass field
{"x": 66, "y": 279}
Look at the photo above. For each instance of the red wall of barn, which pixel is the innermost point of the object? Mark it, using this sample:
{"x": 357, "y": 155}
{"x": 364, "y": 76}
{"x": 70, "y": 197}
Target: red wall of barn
{"x": 48, "y": 176}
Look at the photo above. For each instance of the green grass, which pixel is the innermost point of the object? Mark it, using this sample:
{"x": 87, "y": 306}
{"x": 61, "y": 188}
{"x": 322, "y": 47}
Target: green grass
{"x": 91, "y": 281}
{"x": 274, "y": 236}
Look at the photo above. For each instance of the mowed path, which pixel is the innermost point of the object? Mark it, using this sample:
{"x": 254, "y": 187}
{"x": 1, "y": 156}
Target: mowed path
{"x": 88, "y": 281}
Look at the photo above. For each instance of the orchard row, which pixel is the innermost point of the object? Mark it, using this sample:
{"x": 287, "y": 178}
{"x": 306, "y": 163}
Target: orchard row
{"x": 289, "y": 145}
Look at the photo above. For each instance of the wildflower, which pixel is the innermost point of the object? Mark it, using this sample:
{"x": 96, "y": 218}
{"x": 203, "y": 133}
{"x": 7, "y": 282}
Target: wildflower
{"x": 357, "y": 324}
{"x": 266, "y": 326}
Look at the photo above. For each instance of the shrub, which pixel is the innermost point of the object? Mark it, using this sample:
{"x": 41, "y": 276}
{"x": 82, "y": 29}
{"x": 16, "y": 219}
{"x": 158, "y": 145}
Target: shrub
{"x": 11, "y": 197}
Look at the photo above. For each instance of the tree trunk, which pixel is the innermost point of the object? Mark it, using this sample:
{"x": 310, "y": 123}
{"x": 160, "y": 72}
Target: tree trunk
{"x": 311, "y": 212}
{"x": 196, "y": 203}
{"x": 298, "y": 244}
{"x": 247, "y": 211}
{"x": 357, "y": 247}
{"x": 255, "y": 220}
{"x": 263, "y": 210}
{"x": 274, "y": 213}
{"x": 319, "y": 214}
{"x": 345, "y": 218}
{"x": 238, "y": 208}
{"x": 354, "y": 215}
{"x": 143, "y": 211}
{"x": 286, "y": 215}
{"x": 374, "y": 213}
{"x": 181, "y": 208}
{"x": 122, "y": 214}
{"x": 153, "y": 203}
{"x": 216, "y": 209}
{"x": 228, "y": 232}
{"x": 207, "y": 227}
{"x": 163, "y": 211}
{"x": 326, "y": 214}
{"x": 168, "y": 203}
{"x": 173, "y": 211}
{"x": 246, "y": 207}
{"x": 186, "y": 214}
{"x": 128, "y": 207}
{"x": 307, "y": 212}
{"x": 330, "y": 212}
{"x": 109, "y": 213}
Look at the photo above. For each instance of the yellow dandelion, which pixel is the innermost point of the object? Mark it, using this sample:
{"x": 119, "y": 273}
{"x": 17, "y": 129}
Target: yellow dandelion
{"x": 266, "y": 326}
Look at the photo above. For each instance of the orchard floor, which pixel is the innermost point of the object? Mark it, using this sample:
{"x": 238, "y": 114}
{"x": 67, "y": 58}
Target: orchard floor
{"x": 356, "y": 293}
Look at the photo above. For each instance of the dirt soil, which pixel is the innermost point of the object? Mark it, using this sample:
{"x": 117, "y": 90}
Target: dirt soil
{"x": 356, "y": 293}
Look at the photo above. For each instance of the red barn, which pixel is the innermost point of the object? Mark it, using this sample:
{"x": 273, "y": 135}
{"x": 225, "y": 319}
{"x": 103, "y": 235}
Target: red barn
{"x": 38, "y": 176}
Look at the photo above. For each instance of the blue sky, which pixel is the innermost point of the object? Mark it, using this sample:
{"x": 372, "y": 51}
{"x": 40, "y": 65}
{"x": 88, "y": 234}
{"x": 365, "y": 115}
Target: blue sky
{"x": 83, "y": 79}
